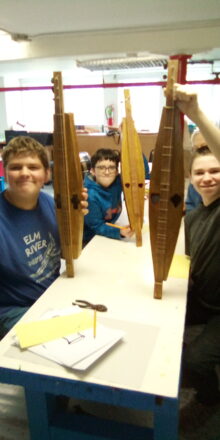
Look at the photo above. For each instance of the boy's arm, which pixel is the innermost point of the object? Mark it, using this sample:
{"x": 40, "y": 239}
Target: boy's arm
{"x": 187, "y": 102}
{"x": 95, "y": 221}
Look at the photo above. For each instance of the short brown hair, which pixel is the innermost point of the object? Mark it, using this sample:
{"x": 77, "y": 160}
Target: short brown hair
{"x": 105, "y": 154}
{"x": 25, "y": 145}
{"x": 201, "y": 151}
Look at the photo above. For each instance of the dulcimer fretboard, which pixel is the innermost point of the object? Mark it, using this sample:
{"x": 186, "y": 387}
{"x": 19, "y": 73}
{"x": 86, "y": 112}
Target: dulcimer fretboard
{"x": 166, "y": 185}
{"x": 132, "y": 171}
{"x": 67, "y": 179}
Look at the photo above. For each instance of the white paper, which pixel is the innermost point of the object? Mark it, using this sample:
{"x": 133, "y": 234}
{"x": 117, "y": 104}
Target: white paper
{"x": 78, "y": 350}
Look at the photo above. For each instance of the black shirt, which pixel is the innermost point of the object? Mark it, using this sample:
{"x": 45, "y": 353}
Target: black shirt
{"x": 202, "y": 227}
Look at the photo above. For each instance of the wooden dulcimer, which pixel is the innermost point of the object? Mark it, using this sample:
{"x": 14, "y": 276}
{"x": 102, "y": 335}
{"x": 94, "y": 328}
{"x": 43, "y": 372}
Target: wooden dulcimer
{"x": 166, "y": 195}
{"x": 68, "y": 180}
{"x": 132, "y": 171}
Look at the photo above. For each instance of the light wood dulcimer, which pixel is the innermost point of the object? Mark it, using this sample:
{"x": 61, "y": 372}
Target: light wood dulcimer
{"x": 166, "y": 195}
{"x": 68, "y": 181}
{"x": 133, "y": 172}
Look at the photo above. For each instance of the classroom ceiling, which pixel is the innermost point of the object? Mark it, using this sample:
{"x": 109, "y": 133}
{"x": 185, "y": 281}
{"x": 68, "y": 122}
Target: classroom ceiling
{"x": 92, "y": 29}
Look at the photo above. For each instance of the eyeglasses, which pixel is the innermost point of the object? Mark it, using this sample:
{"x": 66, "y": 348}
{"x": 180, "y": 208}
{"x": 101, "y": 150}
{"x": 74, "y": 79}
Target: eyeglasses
{"x": 102, "y": 168}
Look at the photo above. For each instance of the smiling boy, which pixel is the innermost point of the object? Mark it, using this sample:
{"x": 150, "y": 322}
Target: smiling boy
{"x": 203, "y": 302}
{"x": 104, "y": 192}
{"x": 193, "y": 198}
{"x": 205, "y": 175}
{"x": 201, "y": 354}
{"x": 29, "y": 238}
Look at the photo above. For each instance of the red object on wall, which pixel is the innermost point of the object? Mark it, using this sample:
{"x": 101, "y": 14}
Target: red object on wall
{"x": 1, "y": 169}
{"x": 110, "y": 122}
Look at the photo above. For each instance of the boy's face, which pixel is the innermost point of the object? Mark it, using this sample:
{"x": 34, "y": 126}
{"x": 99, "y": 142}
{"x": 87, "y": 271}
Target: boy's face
{"x": 105, "y": 172}
{"x": 205, "y": 177}
{"x": 25, "y": 175}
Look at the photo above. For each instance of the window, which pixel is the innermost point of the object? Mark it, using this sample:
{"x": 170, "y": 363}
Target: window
{"x": 146, "y": 103}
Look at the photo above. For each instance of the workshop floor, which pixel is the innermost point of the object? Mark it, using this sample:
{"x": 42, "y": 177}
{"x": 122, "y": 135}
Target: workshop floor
{"x": 13, "y": 416}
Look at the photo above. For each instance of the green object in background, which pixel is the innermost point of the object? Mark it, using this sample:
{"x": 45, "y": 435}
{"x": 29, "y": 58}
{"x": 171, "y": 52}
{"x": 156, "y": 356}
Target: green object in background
{"x": 191, "y": 128}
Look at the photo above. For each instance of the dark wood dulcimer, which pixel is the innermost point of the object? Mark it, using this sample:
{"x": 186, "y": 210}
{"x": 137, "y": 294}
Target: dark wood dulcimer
{"x": 68, "y": 181}
{"x": 166, "y": 185}
{"x": 132, "y": 171}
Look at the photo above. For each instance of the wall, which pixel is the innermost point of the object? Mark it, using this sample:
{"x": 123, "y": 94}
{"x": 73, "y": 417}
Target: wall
{"x": 3, "y": 119}
{"x": 91, "y": 143}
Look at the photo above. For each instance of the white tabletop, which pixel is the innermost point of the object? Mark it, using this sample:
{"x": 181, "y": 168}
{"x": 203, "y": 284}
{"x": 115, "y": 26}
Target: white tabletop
{"x": 119, "y": 275}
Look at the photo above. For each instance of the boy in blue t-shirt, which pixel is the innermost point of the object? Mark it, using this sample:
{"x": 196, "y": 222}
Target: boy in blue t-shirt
{"x": 30, "y": 246}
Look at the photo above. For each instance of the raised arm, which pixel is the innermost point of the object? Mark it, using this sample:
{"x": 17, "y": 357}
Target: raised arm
{"x": 187, "y": 102}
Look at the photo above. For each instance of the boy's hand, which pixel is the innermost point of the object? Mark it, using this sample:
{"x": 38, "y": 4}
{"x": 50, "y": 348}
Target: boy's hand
{"x": 186, "y": 100}
{"x": 84, "y": 204}
{"x": 126, "y": 232}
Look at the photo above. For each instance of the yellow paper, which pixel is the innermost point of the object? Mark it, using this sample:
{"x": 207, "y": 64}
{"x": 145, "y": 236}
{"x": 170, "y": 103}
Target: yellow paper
{"x": 179, "y": 267}
{"x": 145, "y": 228}
{"x": 38, "y": 332}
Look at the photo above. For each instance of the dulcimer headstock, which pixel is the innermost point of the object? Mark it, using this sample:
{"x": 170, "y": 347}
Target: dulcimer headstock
{"x": 172, "y": 78}
{"x": 58, "y": 92}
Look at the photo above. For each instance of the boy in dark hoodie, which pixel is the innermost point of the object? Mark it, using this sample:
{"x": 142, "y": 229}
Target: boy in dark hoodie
{"x": 104, "y": 191}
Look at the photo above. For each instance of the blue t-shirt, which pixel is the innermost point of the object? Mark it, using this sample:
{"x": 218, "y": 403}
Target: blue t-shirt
{"x": 30, "y": 252}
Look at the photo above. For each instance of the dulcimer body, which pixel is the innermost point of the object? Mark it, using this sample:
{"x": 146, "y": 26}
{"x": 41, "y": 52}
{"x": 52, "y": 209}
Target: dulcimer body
{"x": 166, "y": 196}
{"x": 68, "y": 180}
{"x": 133, "y": 172}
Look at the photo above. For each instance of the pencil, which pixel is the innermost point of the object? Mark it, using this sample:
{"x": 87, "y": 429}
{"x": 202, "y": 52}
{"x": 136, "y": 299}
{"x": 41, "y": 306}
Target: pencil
{"x": 94, "y": 324}
{"x": 116, "y": 226}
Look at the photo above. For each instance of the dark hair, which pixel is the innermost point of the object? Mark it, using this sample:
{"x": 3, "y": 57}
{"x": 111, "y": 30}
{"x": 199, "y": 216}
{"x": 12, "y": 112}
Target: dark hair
{"x": 24, "y": 145}
{"x": 105, "y": 154}
{"x": 201, "y": 151}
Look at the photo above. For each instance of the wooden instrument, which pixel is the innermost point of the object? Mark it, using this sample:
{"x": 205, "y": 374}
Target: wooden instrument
{"x": 132, "y": 171}
{"x": 166, "y": 185}
{"x": 68, "y": 181}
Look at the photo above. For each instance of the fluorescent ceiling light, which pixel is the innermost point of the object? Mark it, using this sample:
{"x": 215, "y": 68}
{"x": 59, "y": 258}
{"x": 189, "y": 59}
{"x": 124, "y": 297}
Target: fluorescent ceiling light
{"x": 124, "y": 62}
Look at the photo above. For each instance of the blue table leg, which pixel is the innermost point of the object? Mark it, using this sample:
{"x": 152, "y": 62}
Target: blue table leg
{"x": 40, "y": 407}
{"x": 166, "y": 418}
